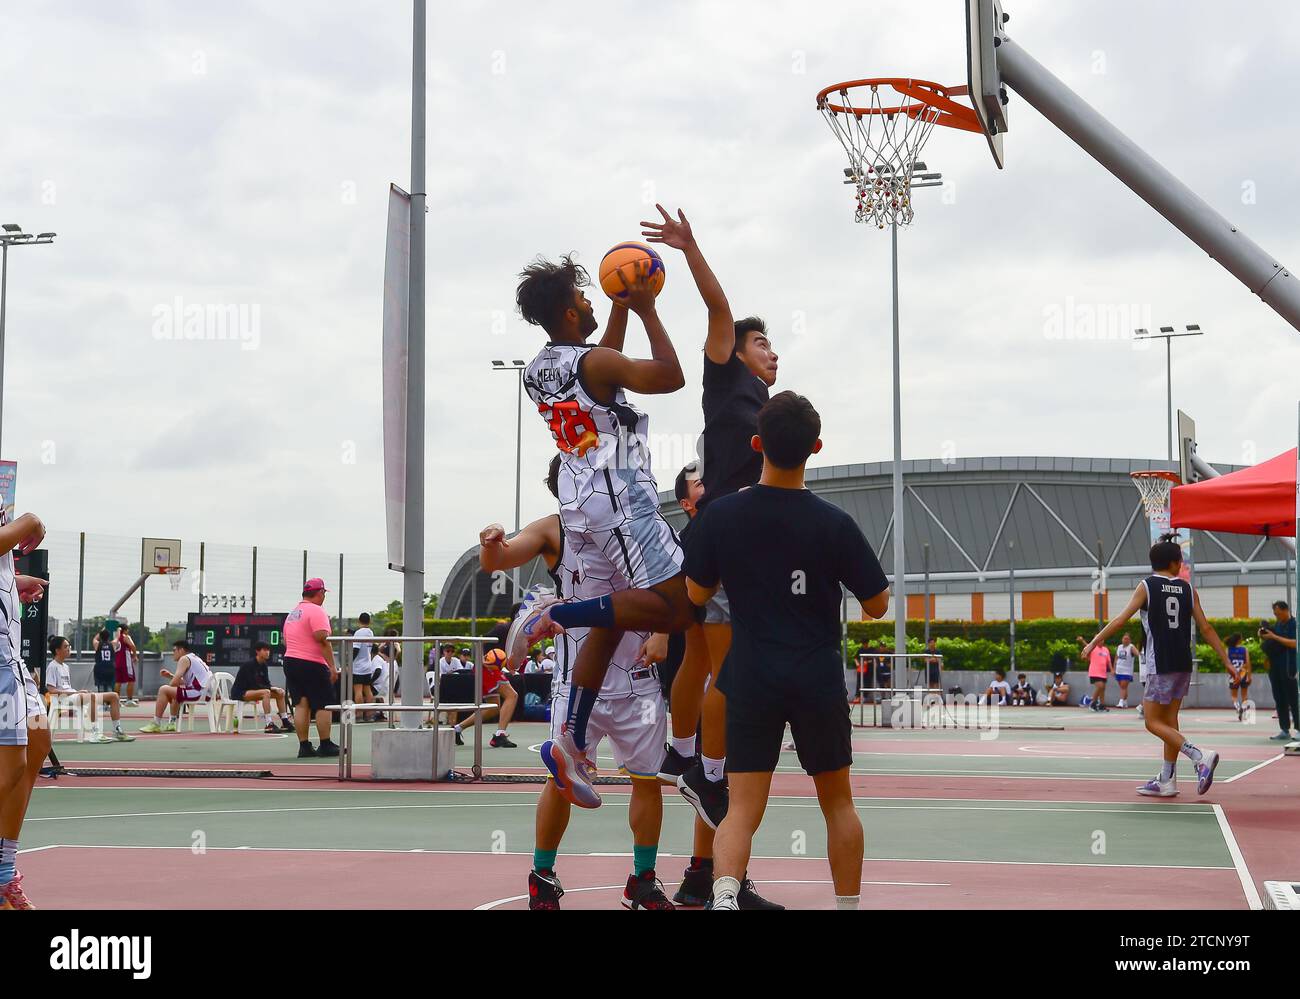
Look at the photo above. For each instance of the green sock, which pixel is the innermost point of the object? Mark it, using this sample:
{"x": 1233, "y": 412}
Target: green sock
{"x": 544, "y": 860}
{"x": 643, "y": 858}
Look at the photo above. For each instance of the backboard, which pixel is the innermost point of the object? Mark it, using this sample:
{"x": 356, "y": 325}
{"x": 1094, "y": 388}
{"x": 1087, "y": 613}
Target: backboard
{"x": 1187, "y": 449}
{"x": 157, "y": 555}
{"x": 984, "y": 21}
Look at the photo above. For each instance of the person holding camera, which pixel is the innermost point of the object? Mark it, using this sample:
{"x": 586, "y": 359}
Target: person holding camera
{"x": 1279, "y": 645}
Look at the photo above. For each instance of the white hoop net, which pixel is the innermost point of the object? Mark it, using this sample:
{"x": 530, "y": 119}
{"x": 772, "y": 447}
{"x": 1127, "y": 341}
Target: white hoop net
{"x": 1154, "y": 490}
{"x": 174, "y": 577}
{"x": 883, "y": 150}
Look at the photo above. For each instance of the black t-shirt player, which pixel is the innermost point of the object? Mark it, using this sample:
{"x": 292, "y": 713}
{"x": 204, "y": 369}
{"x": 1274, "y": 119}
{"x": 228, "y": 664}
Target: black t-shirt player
{"x": 733, "y": 395}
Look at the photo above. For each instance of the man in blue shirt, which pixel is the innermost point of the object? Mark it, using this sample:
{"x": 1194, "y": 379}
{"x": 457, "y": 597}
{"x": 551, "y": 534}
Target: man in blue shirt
{"x": 1279, "y": 645}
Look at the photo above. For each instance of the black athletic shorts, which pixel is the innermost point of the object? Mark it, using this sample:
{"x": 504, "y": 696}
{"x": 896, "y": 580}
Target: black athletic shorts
{"x": 105, "y": 681}
{"x": 819, "y": 724}
{"x": 310, "y": 680}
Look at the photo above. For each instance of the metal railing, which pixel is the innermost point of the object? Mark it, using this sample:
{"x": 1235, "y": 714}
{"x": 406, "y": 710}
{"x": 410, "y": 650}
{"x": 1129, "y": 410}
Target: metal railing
{"x": 347, "y": 707}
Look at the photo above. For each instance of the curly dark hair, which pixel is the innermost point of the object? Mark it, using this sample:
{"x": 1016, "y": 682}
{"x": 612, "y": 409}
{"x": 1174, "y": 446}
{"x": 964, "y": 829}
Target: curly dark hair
{"x": 546, "y": 290}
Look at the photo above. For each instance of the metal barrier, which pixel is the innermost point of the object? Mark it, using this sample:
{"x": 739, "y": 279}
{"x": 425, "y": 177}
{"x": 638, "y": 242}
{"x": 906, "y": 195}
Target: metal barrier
{"x": 347, "y": 708}
{"x": 862, "y": 689}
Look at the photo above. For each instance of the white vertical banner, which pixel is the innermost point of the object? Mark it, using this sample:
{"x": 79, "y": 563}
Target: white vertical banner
{"x": 397, "y": 278}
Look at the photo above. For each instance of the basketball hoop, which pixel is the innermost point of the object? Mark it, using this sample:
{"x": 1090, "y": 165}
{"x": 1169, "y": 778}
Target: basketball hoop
{"x": 1155, "y": 488}
{"x": 174, "y": 573}
{"x": 883, "y": 128}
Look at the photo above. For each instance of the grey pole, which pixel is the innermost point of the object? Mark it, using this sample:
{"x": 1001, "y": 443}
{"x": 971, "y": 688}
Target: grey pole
{"x": 1011, "y": 586}
{"x": 202, "y": 554}
{"x": 253, "y": 600}
{"x": 900, "y": 586}
{"x": 519, "y": 446}
{"x": 1167, "y": 334}
{"x": 81, "y": 595}
{"x": 4, "y": 286}
{"x": 413, "y": 567}
{"x": 1187, "y": 211}
{"x": 340, "y": 587}
{"x": 925, "y": 553}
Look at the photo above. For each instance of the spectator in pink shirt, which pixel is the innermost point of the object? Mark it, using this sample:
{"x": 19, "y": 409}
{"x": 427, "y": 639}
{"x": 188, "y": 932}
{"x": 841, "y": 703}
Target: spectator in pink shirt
{"x": 1099, "y": 668}
{"x": 309, "y": 669}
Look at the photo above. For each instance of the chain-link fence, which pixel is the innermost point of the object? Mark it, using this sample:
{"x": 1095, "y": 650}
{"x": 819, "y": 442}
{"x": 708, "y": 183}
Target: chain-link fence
{"x": 89, "y": 573}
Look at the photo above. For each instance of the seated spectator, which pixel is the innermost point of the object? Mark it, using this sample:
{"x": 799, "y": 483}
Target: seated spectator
{"x": 1022, "y": 693}
{"x": 496, "y": 686}
{"x": 548, "y": 659}
{"x": 999, "y": 690}
{"x": 188, "y": 685}
{"x": 253, "y": 683}
{"x": 58, "y": 680}
{"x": 1059, "y": 692}
{"x": 466, "y": 658}
{"x": 534, "y": 664}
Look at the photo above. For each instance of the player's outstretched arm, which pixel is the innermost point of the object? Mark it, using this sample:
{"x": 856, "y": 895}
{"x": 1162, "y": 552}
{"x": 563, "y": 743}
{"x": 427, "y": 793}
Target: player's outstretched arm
{"x": 1207, "y": 629}
{"x": 541, "y": 537}
{"x": 721, "y": 340}
{"x": 606, "y": 371}
{"x": 1135, "y": 604}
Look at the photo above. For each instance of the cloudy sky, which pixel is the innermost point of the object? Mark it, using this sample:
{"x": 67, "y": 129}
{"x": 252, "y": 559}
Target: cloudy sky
{"x": 239, "y": 155}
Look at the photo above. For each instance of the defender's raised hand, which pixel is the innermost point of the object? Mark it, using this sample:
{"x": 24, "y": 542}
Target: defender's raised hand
{"x": 671, "y": 232}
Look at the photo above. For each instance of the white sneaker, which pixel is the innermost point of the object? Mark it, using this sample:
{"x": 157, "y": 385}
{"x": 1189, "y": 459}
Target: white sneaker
{"x": 526, "y": 629}
{"x": 1156, "y": 788}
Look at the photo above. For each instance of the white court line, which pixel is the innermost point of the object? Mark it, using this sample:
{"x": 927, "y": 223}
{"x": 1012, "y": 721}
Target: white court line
{"x": 529, "y": 853}
{"x": 896, "y": 804}
{"x": 1238, "y": 861}
{"x": 38, "y": 849}
{"x": 574, "y": 891}
{"x": 1257, "y": 766}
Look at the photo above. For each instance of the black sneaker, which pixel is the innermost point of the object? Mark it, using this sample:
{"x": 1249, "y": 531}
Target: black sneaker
{"x": 327, "y": 748}
{"x": 502, "y": 742}
{"x": 306, "y": 749}
{"x": 751, "y": 901}
{"x": 272, "y": 728}
{"x": 708, "y": 798}
{"x": 460, "y": 741}
{"x": 674, "y": 765}
{"x": 544, "y": 890}
{"x": 696, "y": 888}
{"x": 645, "y": 892}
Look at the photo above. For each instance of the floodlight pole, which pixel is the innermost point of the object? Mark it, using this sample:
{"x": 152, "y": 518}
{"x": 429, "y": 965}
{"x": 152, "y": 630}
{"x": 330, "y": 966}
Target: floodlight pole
{"x": 519, "y": 367}
{"x": 413, "y": 556}
{"x": 900, "y": 572}
{"x": 1167, "y": 334}
{"x": 11, "y": 235}
{"x": 1248, "y": 262}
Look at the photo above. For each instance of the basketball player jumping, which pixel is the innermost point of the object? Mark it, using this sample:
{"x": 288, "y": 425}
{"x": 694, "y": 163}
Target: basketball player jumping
{"x": 609, "y": 502}
{"x": 739, "y": 368}
{"x": 1168, "y": 605}
{"x": 630, "y": 710}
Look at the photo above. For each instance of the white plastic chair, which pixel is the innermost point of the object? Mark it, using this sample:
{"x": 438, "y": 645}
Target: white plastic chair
{"x": 231, "y": 713}
{"x": 217, "y": 691}
{"x": 60, "y": 703}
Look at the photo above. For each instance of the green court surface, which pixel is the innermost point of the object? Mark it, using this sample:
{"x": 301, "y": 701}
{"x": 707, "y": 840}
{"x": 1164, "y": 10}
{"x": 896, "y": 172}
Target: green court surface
{"x": 1040, "y": 813}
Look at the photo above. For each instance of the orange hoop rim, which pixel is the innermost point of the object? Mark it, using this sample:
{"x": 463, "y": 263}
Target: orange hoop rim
{"x": 1157, "y": 474}
{"x": 927, "y": 93}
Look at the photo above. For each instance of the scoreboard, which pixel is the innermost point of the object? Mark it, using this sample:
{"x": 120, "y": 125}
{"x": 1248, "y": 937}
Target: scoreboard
{"x": 225, "y": 641}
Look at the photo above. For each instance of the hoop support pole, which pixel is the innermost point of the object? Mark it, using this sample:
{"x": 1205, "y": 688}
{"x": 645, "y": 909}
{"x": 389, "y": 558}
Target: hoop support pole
{"x": 1244, "y": 259}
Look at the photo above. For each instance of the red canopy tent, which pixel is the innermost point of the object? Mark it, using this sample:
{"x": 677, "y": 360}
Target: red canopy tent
{"x": 1256, "y": 500}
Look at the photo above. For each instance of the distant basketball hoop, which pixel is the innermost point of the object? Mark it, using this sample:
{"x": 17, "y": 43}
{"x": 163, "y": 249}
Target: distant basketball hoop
{"x": 174, "y": 575}
{"x": 1154, "y": 488}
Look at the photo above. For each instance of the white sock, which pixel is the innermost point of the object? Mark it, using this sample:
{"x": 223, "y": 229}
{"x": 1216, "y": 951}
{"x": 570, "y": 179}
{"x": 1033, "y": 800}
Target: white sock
{"x": 456, "y": 729}
{"x": 847, "y": 903}
{"x": 117, "y": 726}
{"x": 501, "y": 731}
{"x": 685, "y": 747}
{"x": 725, "y": 886}
{"x": 1191, "y": 752}
{"x": 714, "y": 770}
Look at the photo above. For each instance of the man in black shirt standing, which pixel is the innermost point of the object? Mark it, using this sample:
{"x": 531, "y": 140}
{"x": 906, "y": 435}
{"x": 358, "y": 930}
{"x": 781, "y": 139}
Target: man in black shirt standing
{"x": 783, "y": 554}
{"x": 739, "y": 367}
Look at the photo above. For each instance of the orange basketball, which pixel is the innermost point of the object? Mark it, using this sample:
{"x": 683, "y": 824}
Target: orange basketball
{"x": 494, "y": 659}
{"x": 622, "y": 259}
